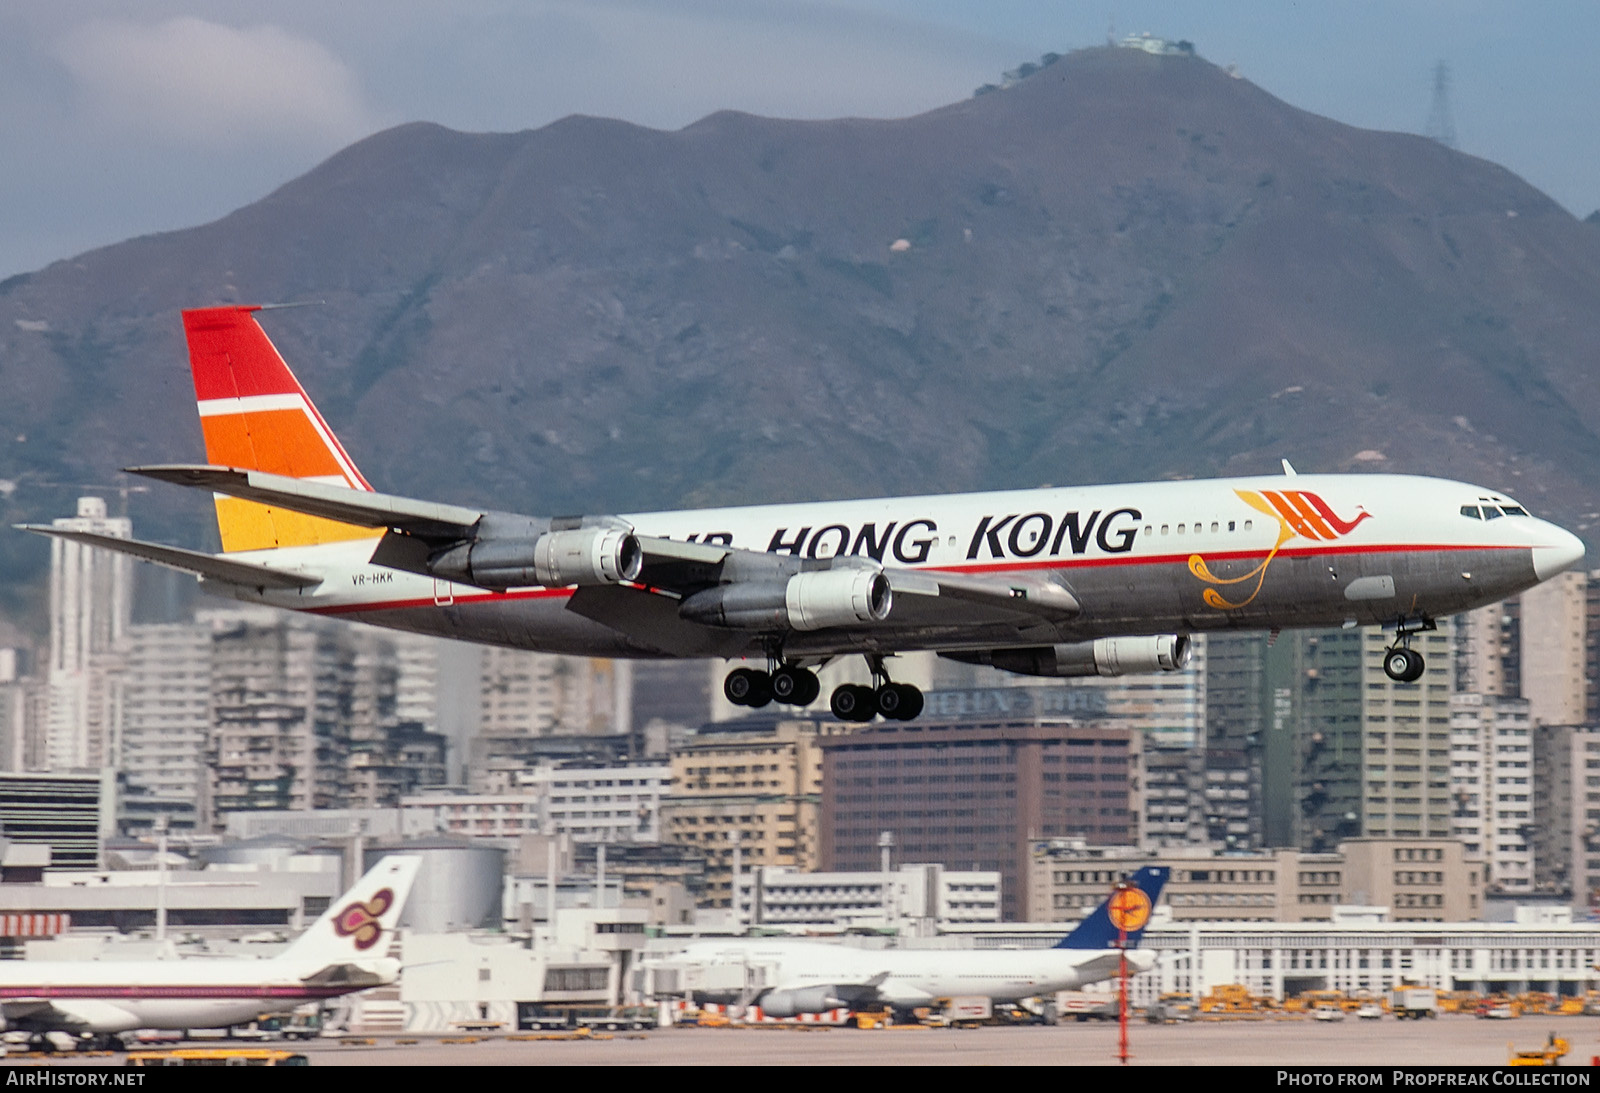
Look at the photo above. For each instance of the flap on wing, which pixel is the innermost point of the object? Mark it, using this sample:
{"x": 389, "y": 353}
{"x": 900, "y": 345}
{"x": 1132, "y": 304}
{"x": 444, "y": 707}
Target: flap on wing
{"x": 1023, "y": 593}
{"x": 187, "y": 561}
{"x": 652, "y": 624}
{"x": 363, "y": 508}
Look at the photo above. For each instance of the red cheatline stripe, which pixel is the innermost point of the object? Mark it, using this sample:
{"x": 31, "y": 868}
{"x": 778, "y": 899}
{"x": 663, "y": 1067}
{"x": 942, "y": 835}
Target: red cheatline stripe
{"x": 485, "y": 597}
{"x": 152, "y": 992}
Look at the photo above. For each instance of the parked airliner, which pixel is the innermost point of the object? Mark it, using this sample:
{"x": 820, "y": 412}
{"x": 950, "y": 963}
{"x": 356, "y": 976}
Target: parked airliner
{"x": 787, "y": 977}
{"x": 343, "y": 951}
{"x": 1094, "y": 580}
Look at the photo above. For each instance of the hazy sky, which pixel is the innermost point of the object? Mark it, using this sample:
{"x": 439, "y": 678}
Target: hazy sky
{"x": 119, "y": 119}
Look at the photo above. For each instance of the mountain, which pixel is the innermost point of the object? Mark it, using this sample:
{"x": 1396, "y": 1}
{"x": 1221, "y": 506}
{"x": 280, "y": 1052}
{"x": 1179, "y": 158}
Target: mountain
{"x": 1124, "y": 266}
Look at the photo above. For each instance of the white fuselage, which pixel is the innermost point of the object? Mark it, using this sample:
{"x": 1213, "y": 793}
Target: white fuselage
{"x": 916, "y": 977}
{"x": 111, "y": 996}
{"x": 1141, "y": 558}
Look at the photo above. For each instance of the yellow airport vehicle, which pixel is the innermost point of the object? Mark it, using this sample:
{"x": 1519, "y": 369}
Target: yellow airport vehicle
{"x": 218, "y": 1056}
{"x": 1550, "y": 1055}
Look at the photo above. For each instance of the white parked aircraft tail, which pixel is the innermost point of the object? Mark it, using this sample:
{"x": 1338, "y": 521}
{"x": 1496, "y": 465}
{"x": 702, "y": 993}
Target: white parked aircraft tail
{"x": 360, "y": 922}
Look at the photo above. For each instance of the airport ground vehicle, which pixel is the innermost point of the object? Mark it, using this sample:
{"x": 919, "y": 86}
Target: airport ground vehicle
{"x": 218, "y": 1056}
{"x": 1413, "y": 1003}
{"x": 1554, "y": 1050}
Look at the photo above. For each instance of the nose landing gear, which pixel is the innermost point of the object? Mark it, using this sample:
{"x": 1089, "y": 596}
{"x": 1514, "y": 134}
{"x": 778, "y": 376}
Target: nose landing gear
{"x": 1402, "y": 663}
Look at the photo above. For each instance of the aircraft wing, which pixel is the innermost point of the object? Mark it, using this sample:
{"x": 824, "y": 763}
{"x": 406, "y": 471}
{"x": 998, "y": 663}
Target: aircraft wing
{"x": 351, "y": 977}
{"x": 38, "y": 1014}
{"x": 187, "y": 561}
{"x": 922, "y": 598}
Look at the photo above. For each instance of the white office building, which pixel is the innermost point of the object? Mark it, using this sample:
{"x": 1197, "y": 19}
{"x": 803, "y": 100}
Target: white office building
{"x": 90, "y": 599}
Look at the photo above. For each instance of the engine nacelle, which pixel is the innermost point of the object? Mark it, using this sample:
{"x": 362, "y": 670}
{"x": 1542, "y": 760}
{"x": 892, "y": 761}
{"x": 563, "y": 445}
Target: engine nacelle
{"x": 792, "y": 1003}
{"x": 806, "y": 601}
{"x": 556, "y": 559}
{"x": 1102, "y": 657}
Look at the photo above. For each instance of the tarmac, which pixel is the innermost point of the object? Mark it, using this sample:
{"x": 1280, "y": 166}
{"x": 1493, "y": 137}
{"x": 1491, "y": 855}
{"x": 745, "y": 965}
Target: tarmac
{"x": 1449, "y": 1040}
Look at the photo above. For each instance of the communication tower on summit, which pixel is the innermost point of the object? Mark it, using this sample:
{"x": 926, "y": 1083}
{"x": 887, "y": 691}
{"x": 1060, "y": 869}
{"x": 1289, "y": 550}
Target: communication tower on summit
{"x": 1441, "y": 124}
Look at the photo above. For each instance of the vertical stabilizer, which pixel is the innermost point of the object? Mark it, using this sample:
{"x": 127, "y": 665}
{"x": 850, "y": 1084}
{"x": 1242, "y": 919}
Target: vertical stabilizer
{"x": 361, "y": 922}
{"x": 256, "y": 416}
{"x": 1098, "y": 932}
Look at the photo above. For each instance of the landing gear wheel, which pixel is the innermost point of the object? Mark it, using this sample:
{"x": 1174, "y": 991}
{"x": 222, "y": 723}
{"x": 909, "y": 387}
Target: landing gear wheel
{"x": 1403, "y": 665}
{"x": 747, "y": 687}
{"x": 853, "y": 702}
{"x": 1418, "y": 665}
{"x": 795, "y": 686}
{"x": 899, "y": 701}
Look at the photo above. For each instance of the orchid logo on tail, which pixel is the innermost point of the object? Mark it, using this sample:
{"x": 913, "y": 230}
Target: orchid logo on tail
{"x": 1298, "y": 513}
{"x": 360, "y": 920}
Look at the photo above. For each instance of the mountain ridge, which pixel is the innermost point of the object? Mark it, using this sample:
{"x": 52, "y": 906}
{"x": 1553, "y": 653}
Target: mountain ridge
{"x": 1124, "y": 266}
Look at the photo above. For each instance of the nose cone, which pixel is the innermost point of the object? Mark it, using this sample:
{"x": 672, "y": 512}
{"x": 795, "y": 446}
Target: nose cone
{"x": 1555, "y": 550}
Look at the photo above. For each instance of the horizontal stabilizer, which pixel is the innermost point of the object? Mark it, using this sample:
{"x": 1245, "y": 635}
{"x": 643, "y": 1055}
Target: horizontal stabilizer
{"x": 364, "y": 508}
{"x": 186, "y": 561}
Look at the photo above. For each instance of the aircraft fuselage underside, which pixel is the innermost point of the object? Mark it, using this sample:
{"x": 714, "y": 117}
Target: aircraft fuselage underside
{"x": 1135, "y": 596}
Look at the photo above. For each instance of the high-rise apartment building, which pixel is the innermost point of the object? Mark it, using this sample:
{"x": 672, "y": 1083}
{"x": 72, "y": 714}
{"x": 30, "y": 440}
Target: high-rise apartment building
{"x": 1554, "y": 624}
{"x": 1492, "y": 787}
{"x": 90, "y": 598}
{"x": 748, "y": 790}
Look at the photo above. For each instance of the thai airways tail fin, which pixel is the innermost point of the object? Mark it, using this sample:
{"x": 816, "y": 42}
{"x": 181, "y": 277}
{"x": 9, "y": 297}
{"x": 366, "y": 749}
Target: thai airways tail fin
{"x": 360, "y": 922}
{"x": 1135, "y": 905}
{"x": 257, "y": 417}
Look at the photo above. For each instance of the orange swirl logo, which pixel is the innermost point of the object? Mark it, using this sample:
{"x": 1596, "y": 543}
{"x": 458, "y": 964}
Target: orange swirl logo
{"x": 360, "y": 920}
{"x": 1298, "y": 513}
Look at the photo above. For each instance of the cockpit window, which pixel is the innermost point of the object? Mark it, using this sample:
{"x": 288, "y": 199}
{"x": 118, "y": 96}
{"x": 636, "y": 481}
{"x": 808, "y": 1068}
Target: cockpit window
{"x": 1514, "y": 510}
{"x": 1470, "y": 511}
{"x": 1491, "y": 513}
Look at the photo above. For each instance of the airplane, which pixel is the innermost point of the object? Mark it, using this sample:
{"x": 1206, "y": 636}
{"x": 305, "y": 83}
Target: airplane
{"x": 98, "y": 1000}
{"x": 803, "y": 976}
{"x": 1101, "y": 580}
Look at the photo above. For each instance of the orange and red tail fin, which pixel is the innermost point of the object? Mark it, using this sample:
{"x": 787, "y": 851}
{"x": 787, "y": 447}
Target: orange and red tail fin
{"x": 256, "y": 416}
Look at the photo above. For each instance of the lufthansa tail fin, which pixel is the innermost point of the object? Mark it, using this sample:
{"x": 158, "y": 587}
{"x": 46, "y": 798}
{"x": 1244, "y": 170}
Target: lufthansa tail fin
{"x": 257, "y": 417}
{"x": 1099, "y": 932}
{"x": 361, "y": 922}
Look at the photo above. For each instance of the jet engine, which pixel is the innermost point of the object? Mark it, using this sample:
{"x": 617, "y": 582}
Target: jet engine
{"x": 792, "y": 1003}
{"x": 556, "y": 559}
{"x": 806, "y": 601}
{"x": 1102, "y": 657}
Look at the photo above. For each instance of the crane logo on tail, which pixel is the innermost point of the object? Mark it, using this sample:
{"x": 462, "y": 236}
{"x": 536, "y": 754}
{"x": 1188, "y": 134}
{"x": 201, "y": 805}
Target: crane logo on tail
{"x": 360, "y": 920}
{"x": 1298, "y": 513}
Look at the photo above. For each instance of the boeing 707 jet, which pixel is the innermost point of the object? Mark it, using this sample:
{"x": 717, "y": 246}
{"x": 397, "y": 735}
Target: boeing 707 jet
{"x": 1094, "y": 580}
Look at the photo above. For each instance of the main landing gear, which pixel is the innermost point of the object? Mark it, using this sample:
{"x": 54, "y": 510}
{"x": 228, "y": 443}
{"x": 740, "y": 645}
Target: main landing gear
{"x": 796, "y": 686}
{"x": 1402, "y": 663}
